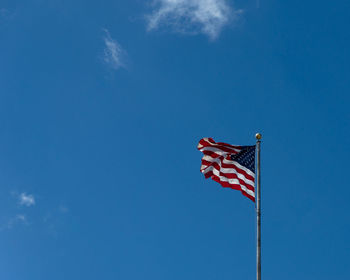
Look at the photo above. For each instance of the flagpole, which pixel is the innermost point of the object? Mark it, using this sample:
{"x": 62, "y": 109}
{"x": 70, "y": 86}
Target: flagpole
{"x": 258, "y": 210}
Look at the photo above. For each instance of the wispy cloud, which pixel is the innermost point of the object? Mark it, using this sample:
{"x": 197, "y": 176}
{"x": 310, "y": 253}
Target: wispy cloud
{"x": 113, "y": 55}
{"x": 21, "y": 218}
{"x": 192, "y": 16}
{"x": 51, "y": 217}
{"x": 18, "y": 219}
{"x": 26, "y": 199}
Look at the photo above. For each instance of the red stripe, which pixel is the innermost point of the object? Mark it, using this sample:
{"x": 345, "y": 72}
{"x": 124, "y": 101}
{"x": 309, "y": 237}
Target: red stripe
{"x": 248, "y": 186}
{"x": 241, "y": 182}
{"x": 211, "y": 154}
{"x": 223, "y": 146}
{"x": 231, "y": 186}
{"x": 239, "y": 170}
{"x": 231, "y": 166}
{"x": 232, "y": 146}
{"x": 217, "y": 163}
{"x": 210, "y": 141}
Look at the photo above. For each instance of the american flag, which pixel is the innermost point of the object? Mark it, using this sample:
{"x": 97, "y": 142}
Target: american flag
{"x": 231, "y": 166}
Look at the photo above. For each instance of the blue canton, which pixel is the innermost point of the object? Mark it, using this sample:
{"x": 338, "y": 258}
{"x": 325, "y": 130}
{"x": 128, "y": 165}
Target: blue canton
{"x": 246, "y": 157}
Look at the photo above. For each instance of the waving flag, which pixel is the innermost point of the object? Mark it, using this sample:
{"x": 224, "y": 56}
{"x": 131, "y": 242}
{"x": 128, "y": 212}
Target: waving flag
{"x": 231, "y": 166}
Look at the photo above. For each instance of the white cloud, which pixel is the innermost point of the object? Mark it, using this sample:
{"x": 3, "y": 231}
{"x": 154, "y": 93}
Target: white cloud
{"x": 21, "y": 217}
{"x": 113, "y": 54}
{"x": 192, "y": 16}
{"x": 26, "y": 199}
{"x": 18, "y": 219}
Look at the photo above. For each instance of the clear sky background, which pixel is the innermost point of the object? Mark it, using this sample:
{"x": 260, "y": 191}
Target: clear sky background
{"x": 102, "y": 104}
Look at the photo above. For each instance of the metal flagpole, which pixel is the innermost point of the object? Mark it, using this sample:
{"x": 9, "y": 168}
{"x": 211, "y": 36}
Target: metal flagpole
{"x": 258, "y": 210}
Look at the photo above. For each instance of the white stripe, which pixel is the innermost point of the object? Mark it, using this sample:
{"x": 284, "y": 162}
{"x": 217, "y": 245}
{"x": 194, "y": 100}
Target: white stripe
{"x": 219, "y": 151}
{"x": 211, "y": 159}
{"x": 226, "y": 161}
{"x": 230, "y": 171}
{"x": 203, "y": 167}
{"x": 215, "y": 145}
{"x": 248, "y": 171}
{"x": 233, "y": 182}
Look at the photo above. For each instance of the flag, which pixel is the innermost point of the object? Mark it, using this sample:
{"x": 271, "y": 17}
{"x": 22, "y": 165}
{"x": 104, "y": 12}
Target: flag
{"x": 231, "y": 166}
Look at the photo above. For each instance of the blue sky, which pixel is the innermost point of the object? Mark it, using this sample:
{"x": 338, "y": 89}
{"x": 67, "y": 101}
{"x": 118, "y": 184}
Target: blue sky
{"x": 102, "y": 104}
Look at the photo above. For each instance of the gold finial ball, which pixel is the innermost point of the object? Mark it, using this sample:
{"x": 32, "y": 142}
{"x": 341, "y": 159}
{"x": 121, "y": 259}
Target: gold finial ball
{"x": 258, "y": 136}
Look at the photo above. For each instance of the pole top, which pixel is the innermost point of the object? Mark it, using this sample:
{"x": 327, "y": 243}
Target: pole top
{"x": 258, "y": 136}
